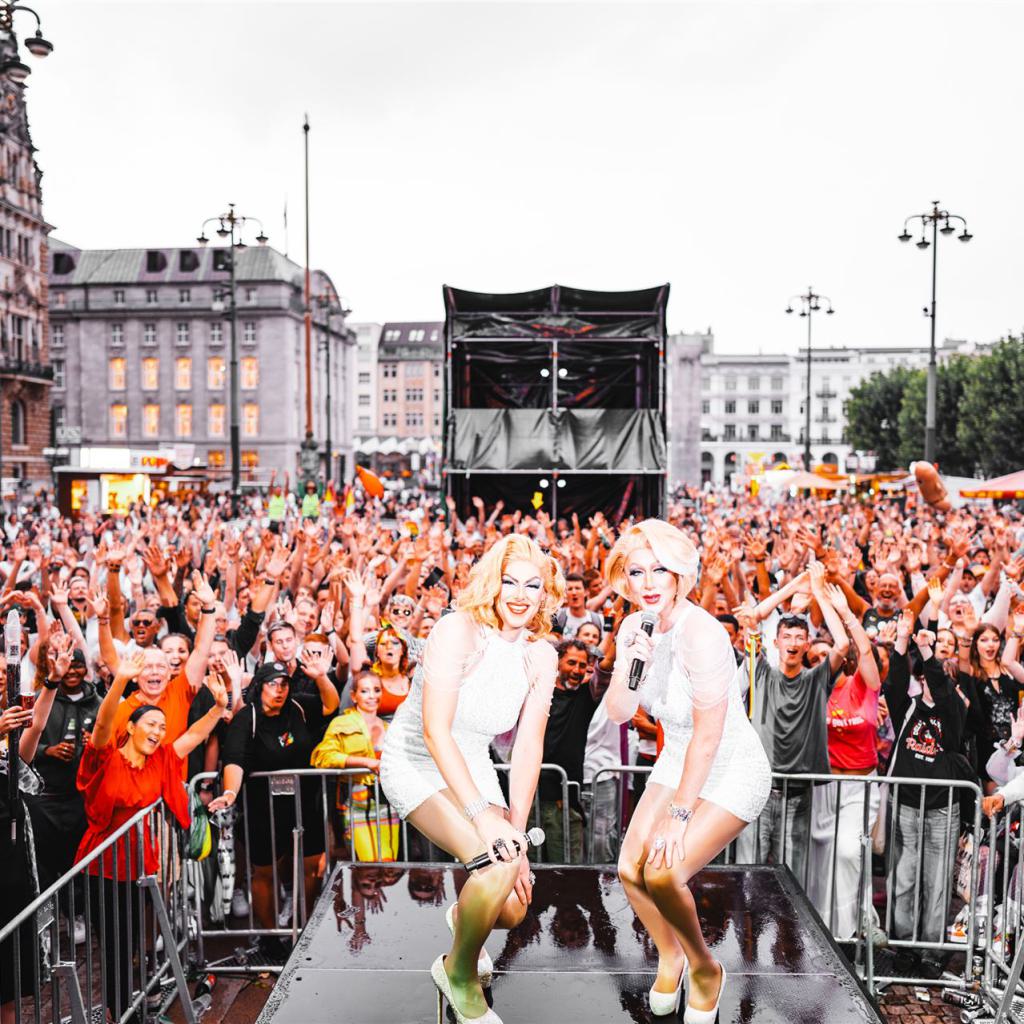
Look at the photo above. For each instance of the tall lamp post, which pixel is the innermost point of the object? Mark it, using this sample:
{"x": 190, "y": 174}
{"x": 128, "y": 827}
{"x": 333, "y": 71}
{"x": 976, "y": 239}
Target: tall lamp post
{"x": 932, "y": 220}
{"x": 231, "y": 225}
{"x": 810, "y": 303}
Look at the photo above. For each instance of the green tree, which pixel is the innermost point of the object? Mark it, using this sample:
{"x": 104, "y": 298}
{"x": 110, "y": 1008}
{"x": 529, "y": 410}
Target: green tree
{"x": 872, "y": 415}
{"x": 990, "y": 427}
{"x": 951, "y": 380}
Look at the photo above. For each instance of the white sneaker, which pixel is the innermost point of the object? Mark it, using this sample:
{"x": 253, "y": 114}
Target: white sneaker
{"x": 239, "y": 904}
{"x": 79, "y": 930}
{"x": 284, "y": 915}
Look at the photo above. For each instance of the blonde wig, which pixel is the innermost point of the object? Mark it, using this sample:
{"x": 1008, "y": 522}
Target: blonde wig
{"x": 671, "y": 547}
{"x": 479, "y": 597}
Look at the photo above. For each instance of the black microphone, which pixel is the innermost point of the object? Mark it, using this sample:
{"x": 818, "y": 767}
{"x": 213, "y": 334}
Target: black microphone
{"x": 636, "y": 670}
{"x": 533, "y": 838}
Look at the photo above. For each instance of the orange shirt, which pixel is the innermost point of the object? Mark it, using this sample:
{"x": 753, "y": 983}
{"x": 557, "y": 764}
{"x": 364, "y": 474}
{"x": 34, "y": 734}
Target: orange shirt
{"x": 174, "y": 701}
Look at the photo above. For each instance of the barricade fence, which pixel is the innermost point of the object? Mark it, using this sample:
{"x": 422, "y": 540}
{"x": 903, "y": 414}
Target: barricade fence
{"x": 133, "y": 924}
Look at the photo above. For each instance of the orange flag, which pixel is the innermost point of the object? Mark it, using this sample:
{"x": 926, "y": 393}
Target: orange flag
{"x": 372, "y": 483}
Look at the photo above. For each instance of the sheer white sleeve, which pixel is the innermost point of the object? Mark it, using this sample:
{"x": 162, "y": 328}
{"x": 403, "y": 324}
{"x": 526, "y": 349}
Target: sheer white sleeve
{"x": 541, "y": 663}
{"x": 705, "y": 654}
{"x": 454, "y": 647}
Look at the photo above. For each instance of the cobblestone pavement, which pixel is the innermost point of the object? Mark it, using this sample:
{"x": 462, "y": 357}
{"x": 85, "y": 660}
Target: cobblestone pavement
{"x": 901, "y": 1006}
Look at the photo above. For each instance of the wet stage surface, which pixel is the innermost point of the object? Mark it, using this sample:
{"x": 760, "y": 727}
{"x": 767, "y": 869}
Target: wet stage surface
{"x": 580, "y": 955}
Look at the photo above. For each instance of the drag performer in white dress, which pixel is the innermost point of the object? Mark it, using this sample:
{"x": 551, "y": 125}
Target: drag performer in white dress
{"x": 712, "y": 777}
{"x": 485, "y": 670}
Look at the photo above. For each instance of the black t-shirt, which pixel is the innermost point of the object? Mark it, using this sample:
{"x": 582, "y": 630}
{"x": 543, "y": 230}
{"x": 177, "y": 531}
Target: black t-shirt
{"x": 565, "y": 740}
{"x": 873, "y": 618}
{"x": 270, "y": 743}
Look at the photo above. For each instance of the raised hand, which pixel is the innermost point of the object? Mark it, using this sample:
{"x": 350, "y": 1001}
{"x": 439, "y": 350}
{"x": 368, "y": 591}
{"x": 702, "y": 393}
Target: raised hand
{"x": 155, "y": 561}
{"x": 61, "y": 647}
{"x": 217, "y": 689}
{"x": 202, "y": 589}
{"x": 837, "y": 598}
{"x": 278, "y": 562}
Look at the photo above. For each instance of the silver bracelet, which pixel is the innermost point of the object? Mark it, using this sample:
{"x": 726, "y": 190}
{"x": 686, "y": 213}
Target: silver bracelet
{"x": 476, "y": 808}
{"x": 683, "y": 814}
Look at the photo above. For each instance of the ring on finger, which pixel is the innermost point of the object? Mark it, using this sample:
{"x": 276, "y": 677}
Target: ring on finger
{"x": 532, "y": 877}
{"x": 659, "y": 843}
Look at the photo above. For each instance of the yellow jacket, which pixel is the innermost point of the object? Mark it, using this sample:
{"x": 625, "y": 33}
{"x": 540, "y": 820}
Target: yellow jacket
{"x": 346, "y": 736}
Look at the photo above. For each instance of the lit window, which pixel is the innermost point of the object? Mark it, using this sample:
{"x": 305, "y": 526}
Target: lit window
{"x": 250, "y": 419}
{"x": 149, "y": 334}
{"x": 151, "y": 420}
{"x": 215, "y": 373}
{"x": 183, "y": 373}
{"x": 215, "y": 421}
{"x": 118, "y": 296}
{"x": 117, "y": 374}
{"x": 181, "y": 335}
{"x": 249, "y": 330}
{"x": 118, "y": 420}
{"x": 250, "y": 372}
{"x": 117, "y": 334}
{"x": 183, "y": 420}
{"x": 58, "y": 373}
{"x": 250, "y": 459}
{"x": 216, "y": 333}
{"x": 215, "y": 458}
{"x": 150, "y": 374}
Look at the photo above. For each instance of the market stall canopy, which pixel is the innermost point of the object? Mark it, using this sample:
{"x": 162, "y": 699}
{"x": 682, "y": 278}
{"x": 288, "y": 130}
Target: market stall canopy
{"x": 1009, "y": 486}
{"x": 803, "y": 480}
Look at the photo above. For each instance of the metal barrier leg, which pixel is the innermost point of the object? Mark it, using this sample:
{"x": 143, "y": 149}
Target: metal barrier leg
{"x": 66, "y": 972}
{"x": 149, "y": 884}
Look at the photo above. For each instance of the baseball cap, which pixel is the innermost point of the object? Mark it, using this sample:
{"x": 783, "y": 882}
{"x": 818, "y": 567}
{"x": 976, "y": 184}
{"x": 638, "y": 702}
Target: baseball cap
{"x": 271, "y": 670}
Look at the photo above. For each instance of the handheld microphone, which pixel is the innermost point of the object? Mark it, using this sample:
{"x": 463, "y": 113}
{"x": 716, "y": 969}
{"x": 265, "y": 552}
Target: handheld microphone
{"x": 533, "y": 838}
{"x": 636, "y": 670}
{"x": 12, "y": 647}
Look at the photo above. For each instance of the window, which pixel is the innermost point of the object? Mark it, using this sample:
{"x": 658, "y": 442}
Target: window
{"x": 389, "y": 395}
{"x": 437, "y": 417}
{"x": 390, "y": 419}
{"x": 188, "y": 261}
{"x": 183, "y": 420}
{"x": 118, "y": 296}
{"x": 151, "y": 297}
{"x": 59, "y": 417}
{"x": 181, "y": 334}
{"x": 705, "y": 383}
{"x": 216, "y": 334}
{"x": 751, "y": 431}
{"x": 249, "y": 331}
{"x": 364, "y": 400}
{"x": 753, "y": 383}
{"x": 184, "y": 295}
{"x": 215, "y": 458}
{"x": 417, "y": 335}
{"x": 60, "y": 299}
{"x": 250, "y": 372}
{"x": 57, "y": 336}
{"x": 776, "y": 432}
{"x": 215, "y": 374}
{"x": 705, "y": 434}
{"x": 156, "y": 261}
{"x": 392, "y": 335}
{"x": 730, "y": 405}
{"x": 58, "y": 373}
{"x": 705, "y": 407}
{"x": 414, "y": 369}
{"x": 250, "y": 459}
{"x": 150, "y": 374}
{"x": 149, "y": 334}
{"x": 776, "y": 406}
{"x": 753, "y": 407}
{"x": 116, "y": 334}
{"x": 730, "y": 383}
{"x": 18, "y": 433}
{"x": 215, "y": 420}
{"x": 250, "y": 419}
{"x": 364, "y": 377}
{"x": 389, "y": 370}
{"x": 251, "y": 296}
{"x": 118, "y": 420}
{"x": 777, "y": 383}
{"x": 437, "y": 369}
{"x": 433, "y": 334}
{"x": 730, "y": 431}
{"x": 183, "y": 373}
{"x": 151, "y": 420}
{"x": 117, "y": 374}
{"x": 414, "y": 394}
{"x": 364, "y": 423}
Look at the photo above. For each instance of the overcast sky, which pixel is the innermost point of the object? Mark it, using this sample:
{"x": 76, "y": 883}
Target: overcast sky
{"x": 738, "y": 151}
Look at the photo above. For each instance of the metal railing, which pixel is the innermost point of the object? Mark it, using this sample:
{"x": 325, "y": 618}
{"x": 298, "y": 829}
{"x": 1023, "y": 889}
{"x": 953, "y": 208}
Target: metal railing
{"x": 136, "y": 932}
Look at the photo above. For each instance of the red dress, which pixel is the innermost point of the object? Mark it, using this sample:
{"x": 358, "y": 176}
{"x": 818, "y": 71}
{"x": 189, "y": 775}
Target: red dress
{"x": 114, "y": 791}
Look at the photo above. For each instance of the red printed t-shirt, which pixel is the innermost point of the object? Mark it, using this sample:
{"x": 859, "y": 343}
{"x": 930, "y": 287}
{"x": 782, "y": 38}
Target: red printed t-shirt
{"x": 852, "y": 724}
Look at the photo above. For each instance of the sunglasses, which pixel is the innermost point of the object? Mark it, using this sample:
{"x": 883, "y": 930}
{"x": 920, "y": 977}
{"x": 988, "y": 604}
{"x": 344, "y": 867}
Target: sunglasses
{"x": 143, "y": 621}
{"x": 402, "y": 610}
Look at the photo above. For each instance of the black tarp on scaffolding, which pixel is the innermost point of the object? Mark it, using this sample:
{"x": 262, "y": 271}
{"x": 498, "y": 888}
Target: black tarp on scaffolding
{"x": 556, "y": 396}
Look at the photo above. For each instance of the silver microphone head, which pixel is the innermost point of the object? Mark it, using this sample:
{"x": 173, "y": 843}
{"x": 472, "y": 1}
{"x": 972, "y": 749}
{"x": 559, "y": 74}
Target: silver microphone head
{"x": 648, "y": 621}
{"x": 536, "y": 836}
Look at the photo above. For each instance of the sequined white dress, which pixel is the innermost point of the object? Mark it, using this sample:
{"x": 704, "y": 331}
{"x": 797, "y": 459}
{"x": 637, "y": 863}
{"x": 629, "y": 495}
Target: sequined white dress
{"x": 493, "y": 684}
{"x": 698, "y": 666}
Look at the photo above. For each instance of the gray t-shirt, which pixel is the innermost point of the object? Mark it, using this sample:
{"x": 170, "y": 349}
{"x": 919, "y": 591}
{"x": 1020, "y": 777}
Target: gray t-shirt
{"x": 790, "y": 716}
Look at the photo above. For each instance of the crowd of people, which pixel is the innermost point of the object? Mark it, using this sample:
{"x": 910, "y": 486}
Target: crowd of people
{"x": 872, "y": 635}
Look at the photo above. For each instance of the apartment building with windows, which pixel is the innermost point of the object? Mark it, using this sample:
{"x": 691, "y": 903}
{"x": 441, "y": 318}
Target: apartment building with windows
{"x": 141, "y": 350}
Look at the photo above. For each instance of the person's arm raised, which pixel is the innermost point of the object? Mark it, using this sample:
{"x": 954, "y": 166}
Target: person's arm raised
{"x": 195, "y": 667}
{"x": 103, "y": 727}
{"x": 841, "y": 642}
{"x": 200, "y": 731}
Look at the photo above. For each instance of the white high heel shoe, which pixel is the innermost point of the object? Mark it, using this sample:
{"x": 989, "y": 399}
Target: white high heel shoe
{"x": 484, "y": 965}
{"x": 692, "y": 1016}
{"x": 437, "y": 972}
{"x": 664, "y": 1003}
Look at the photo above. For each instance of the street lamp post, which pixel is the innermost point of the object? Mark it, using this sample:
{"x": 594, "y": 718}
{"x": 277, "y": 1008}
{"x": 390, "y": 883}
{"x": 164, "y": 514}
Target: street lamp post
{"x": 230, "y": 225}
{"x": 331, "y": 305}
{"x": 810, "y": 303}
{"x": 932, "y": 220}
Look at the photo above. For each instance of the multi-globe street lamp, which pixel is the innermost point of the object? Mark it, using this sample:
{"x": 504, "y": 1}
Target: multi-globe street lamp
{"x": 231, "y": 225}
{"x": 933, "y": 219}
{"x": 810, "y": 303}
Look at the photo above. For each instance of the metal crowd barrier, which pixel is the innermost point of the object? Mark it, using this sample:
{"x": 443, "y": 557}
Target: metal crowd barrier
{"x": 136, "y": 934}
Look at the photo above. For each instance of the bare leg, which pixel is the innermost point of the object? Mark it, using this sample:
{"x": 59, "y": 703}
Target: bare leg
{"x": 482, "y": 899}
{"x": 711, "y": 829}
{"x": 634, "y": 851}
{"x": 263, "y": 895}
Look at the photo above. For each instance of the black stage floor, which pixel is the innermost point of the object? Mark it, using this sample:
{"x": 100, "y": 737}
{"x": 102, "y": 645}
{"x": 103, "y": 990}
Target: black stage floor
{"x": 580, "y": 955}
